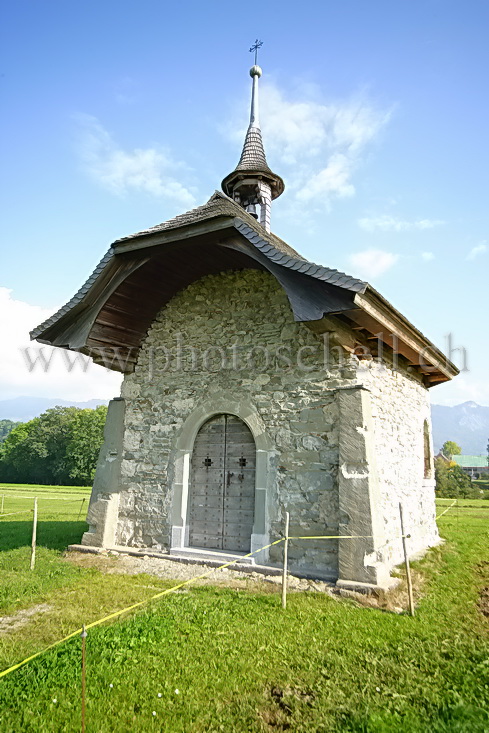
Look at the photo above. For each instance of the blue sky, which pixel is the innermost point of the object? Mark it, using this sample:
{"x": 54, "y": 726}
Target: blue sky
{"x": 118, "y": 115}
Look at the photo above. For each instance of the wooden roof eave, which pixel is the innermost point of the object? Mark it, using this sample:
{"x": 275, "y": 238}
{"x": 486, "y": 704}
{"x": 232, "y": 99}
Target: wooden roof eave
{"x": 70, "y": 329}
{"x": 391, "y": 321}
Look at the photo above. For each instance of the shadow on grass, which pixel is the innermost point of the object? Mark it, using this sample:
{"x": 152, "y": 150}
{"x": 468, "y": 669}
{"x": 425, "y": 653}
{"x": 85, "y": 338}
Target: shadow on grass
{"x": 52, "y": 534}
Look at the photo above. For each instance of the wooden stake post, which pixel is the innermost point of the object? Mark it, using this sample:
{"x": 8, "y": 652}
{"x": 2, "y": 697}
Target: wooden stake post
{"x": 286, "y": 551}
{"x": 83, "y": 678}
{"x": 406, "y": 560}
{"x": 81, "y": 507}
{"x": 34, "y": 536}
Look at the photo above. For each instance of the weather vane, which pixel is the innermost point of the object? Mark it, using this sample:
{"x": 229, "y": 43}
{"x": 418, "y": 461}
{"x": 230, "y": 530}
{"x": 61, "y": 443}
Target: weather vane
{"x": 257, "y": 44}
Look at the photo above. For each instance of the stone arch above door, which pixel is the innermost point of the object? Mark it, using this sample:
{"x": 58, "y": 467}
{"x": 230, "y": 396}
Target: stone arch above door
{"x": 180, "y": 463}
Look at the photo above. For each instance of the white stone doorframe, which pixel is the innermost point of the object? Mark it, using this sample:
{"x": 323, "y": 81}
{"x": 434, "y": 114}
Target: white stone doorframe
{"x": 180, "y": 469}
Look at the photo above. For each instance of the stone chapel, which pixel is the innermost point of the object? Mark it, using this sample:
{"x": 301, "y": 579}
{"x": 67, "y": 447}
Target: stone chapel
{"x": 255, "y": 383}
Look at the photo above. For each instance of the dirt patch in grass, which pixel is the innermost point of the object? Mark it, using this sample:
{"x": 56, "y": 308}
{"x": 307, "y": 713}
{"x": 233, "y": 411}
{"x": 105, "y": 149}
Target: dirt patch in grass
{"x": 281, "y": 704}
{"x": 21, "y": 618}
{"x": 484, "y": 601}
{"x": 283, "y": 696}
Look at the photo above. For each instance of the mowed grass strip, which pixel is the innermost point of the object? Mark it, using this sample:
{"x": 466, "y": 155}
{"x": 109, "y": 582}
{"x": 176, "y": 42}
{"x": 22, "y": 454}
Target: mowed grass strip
{"x": 12, "y": 493}
{"x": 222, "y": 660}
{"x": 463, "y": 503}
{"x": 43, "y": 490}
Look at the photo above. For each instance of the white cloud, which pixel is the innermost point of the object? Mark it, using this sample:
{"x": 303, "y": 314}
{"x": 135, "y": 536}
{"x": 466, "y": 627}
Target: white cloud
{"x": 144, "y": 169}
{"x": 317, "y": 147}
{"x": 480, "y": 249}
{"x": 372, "y": 262}
{"x": 386, "y": 223}
{"x": 333, "y": 180}
{"x": 427, "y": 256}
{"x": 85, "y": 381}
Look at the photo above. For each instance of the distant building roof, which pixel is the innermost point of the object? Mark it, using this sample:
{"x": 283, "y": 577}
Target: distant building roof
{"x": 443, "y": 457}
{"x": 470, "y": 461}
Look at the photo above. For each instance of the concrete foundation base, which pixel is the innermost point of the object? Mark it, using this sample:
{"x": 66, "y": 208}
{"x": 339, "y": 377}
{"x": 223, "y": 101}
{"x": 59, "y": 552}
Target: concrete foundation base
{"x": 367, "y": 588}
{"x": 240, "y": 566}
{"x": 204, "y": 556}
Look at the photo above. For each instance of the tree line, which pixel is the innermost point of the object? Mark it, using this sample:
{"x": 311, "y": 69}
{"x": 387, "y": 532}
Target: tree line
{"x": 59, "y": 447}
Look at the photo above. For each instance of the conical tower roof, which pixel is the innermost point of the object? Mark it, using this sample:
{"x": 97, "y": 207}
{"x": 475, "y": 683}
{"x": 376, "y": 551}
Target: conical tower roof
{"x": 253, "y": 161}
{"x": 253, "y": 154}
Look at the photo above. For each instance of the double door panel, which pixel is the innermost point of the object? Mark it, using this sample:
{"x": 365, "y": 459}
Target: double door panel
{"x": 222, "y": 486}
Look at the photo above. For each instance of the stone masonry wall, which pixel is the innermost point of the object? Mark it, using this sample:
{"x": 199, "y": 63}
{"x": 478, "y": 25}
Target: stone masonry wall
{"x": 400, "y": 406}
{"x": 210, "y": 338}
{"x": 234, "y": 334}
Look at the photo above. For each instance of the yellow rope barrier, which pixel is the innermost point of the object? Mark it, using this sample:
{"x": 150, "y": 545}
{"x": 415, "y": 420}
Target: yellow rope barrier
{"x": 167, "y": 591}
{"x": 446, "y": 510}
{"x": 11, "y": 514}
{"x": 111, "y": 616}
{"x": 342, "y": 537}
{"x": 37, "y": 654}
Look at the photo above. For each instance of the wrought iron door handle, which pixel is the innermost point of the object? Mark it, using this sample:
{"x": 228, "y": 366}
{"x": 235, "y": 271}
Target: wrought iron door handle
{"x": 229, "y": 478}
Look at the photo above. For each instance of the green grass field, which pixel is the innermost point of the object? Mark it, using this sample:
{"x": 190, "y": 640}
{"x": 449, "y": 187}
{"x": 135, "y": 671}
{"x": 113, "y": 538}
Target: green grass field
{"x": 217, "y": 659}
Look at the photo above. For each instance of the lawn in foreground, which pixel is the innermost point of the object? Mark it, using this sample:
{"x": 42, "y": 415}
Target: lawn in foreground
{"x": 213, "y": 659}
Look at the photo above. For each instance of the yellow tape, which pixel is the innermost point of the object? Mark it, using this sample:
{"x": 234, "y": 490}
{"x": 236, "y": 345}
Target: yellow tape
{"x": 174, "y": 588}
{"x": 446, "y": 510}
{"x": 131, "y": 608}
{"x": 334, "y": 537}
{"x": 37, "y": 654}
{"x": 340, "y": 537}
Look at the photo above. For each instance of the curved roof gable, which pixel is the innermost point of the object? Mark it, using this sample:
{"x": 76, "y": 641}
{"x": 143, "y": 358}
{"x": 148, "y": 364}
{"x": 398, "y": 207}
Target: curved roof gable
{"x": 141, "y": 272}
{"x": 218, "y": 206}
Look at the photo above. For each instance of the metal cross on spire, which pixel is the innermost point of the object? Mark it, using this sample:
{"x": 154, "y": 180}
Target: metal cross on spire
{"x": 257, "y": 44}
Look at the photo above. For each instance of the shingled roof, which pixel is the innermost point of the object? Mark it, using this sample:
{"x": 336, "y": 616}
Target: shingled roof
{"x": 275, "y": 248}
{"x": 143, "y": 271}
{"x": 140, "y": 263}
{"x": 253, "y": 154}
{"x": 218, "y": 206}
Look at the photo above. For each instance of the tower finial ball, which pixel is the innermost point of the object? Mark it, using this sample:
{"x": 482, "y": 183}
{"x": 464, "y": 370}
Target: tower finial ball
{"x": 255, "y": 71}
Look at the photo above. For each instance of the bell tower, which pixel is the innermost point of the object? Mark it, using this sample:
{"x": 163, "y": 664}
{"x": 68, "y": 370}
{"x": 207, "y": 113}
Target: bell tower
{"x": 252, "y": 184}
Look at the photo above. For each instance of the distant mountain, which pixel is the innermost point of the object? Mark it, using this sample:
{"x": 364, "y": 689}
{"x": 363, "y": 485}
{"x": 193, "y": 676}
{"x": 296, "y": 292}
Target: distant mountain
{"x": 467, "y": 424}
{"x": 22, "y": 409}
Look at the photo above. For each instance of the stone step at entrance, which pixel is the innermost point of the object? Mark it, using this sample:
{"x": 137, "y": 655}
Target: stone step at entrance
{"x": 204, "y": 554}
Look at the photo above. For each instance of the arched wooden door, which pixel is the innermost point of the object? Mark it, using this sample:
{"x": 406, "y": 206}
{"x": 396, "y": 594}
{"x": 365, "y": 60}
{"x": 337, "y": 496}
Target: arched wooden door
{"x": 222, "y": 485}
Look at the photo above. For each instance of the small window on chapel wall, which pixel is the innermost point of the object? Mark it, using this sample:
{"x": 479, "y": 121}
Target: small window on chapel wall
{"x": 427, "y": 450}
